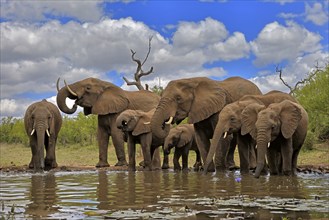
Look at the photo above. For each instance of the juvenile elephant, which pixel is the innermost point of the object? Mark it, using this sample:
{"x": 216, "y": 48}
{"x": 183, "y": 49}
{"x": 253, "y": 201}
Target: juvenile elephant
{"x": 281, "y": 127}
{"x": 42, "y": 122}
{"x": 200, "y": 99}
{"x": 105, "y": 100}
{"x": 230, "y": 122}
{"x": 136, "y": 124}
{"x": 182, "y": 137}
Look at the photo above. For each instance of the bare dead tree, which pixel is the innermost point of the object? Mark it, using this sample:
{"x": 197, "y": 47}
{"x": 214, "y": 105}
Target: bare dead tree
{"x": 139, "y": 71}
{"x": 300, "y": 82}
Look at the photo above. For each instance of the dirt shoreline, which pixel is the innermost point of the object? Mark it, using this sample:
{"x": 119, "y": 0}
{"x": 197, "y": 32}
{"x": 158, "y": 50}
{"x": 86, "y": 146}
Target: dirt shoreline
{"x": 318, "y": 169}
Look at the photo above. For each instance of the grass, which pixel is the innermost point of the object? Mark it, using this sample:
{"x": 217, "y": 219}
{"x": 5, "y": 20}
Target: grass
{"x": 19, "y": 155}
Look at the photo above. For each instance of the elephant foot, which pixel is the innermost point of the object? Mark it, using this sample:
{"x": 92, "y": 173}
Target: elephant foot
{"x": 121, "y": 163}
{"x": 165, "y": 166}
{"x": 31, "y": 165}
{"x": 102, "y": 164}
{"x": 50, "y": 163}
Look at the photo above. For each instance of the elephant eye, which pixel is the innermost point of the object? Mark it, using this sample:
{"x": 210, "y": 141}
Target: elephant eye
{"x": 124, "y": 123}
{"x": 88, "y": 87}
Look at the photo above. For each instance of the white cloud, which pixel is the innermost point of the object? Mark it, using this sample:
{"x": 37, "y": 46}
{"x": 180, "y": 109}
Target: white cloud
{"x": 316, "y": 14}
{"x": 276, "y": 43}
{"x": 36, "y": 11}
{"x": 295, "y": 71}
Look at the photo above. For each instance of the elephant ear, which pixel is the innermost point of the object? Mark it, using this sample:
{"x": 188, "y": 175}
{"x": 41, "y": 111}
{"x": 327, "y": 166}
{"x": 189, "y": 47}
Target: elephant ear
{"x": 249, "y": 118}
{"x": 290, "y": 116}
{"x": 185, "y": 138}
{"x": 112, "y": 100}
{"x": 143, "y": 125}
{"x": 28, "y": 118}
{"x": 209, "y": 99}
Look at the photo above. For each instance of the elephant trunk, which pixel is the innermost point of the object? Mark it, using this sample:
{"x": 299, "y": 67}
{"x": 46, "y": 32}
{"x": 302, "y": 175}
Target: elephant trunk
{"x": 263, "y": 142}
{"x": 62, "y": 94}
{"x": 162, "y": 118}
{"x": 218, "y": 134}
{"x": 39, "y": 158}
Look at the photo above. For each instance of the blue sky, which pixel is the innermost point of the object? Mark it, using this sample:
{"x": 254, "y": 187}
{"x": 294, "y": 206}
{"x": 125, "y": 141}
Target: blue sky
{"x": 44, "y": 40}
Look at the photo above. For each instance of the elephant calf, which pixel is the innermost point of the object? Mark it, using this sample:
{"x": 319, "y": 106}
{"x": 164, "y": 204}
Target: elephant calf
{"x": 136, "y": 124}
{"x": 182, "y": 138}
{"x": 42, "y": 122}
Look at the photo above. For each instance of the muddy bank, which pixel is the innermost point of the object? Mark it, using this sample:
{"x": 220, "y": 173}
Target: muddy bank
{"x": 318, "y": 169}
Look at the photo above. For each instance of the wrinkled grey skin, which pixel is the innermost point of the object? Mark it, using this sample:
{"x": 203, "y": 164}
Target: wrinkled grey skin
{"x": 182, "y": 138}
{"x": 230, "y": 122}
{"x": 136, "y": 124}
{"x": 42, "y": 118}
{"x": 200, "y": 99}
{"x": 280, "y": 130}
{"x": 107, "y": 101}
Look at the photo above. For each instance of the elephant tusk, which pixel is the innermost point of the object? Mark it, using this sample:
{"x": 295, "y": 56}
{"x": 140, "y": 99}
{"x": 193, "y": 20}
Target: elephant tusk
{"x": 169, "y": 121}
{"x": 32, "y": 132}
{"x": 47, "y": 132}
{"x": 70, "y": 90}
{"x": 57, "y": 84}
{"x": 268, "y": 144}
{"x": 225, "y": 134}
{"x": 147, "y": 123}
{"x": 256, "y": 146}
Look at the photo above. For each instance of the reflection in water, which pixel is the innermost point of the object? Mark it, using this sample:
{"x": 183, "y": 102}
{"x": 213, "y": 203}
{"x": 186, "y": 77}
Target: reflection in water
{"x": 42, "y": 195}
{"x": 164, "y": 194}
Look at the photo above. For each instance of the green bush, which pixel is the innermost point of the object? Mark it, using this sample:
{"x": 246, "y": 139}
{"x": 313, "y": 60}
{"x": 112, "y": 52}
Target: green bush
{"x": 309, "y": 141}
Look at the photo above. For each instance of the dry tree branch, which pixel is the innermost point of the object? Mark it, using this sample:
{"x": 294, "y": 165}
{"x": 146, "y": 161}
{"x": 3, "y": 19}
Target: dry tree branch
{"x": 139, "y": 71}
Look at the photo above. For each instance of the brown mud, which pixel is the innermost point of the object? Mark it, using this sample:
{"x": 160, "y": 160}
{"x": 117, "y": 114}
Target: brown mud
{"x": 318, "y": 169}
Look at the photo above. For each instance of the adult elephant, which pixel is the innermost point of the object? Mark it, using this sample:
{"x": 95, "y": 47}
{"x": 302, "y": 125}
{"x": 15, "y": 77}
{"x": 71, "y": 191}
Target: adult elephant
{"x": 136, "y": 124}
{"x": 105, "y": 100}
{"x": 230, "y": 122}
{"x": 200, "y": 99}
{"x": 42, "y": 122}
{"x": 281, "y": 127}
{"x": 182, "y": 138}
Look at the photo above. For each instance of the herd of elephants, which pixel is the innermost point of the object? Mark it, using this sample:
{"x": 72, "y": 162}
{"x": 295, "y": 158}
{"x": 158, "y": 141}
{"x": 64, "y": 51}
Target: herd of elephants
{"x": 268, "y": 129}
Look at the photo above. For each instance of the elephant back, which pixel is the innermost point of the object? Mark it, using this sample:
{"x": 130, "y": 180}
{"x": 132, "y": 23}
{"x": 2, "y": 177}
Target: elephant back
{"x": 142, "y": 100}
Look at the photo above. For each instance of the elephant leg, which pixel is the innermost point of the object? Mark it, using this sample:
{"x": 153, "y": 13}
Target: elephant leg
{"x": 156, "y": 161}
{"x": 272, "y": 159}
{"x": 294, "y": 161}
{"x": 103, "y": 142}
{"x": 198, "y": 163}
{"x": 50, "y": 160}
{"x": 118, "y": 142}
{"x": 33, "y": 145}
{"x": 243, "y": 149}
{"x": 252, "y": 155}
{"x": 185, "y": 152}
{"x": 286, "y": 153}
{"x": 230, "y": 154}
{"x": 177, "y": 155}
{"x": 131, "y": 154}
{"x": 203, "y": 144}
{"x": 147, "y": 151}
{"x": 165, "y": 163}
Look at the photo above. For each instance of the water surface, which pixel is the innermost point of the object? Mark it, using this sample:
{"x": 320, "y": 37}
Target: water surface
{"x": 162, "y": 195}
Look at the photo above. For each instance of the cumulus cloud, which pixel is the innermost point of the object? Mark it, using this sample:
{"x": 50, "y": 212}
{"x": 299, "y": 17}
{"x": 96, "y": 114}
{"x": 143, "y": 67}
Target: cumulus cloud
{"x": 276, "y": 43}
{"x": 292, "y": 73}
{"x": 43, "y": 10}
{"x": 316, "y": 14}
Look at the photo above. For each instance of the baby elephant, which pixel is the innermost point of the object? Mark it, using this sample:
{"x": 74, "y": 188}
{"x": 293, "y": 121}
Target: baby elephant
{"x": 136, "y": 125}
{"x": 42, "y": 124}
{"x": 182, "y": 137}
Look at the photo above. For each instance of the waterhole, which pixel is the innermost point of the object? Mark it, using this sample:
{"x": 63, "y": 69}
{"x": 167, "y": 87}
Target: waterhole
{"x": 105, "y": 194}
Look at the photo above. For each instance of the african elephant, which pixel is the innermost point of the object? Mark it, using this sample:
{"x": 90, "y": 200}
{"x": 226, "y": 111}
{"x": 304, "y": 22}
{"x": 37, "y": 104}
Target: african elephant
{"x": 136, "y": 124}
{"x": 229, "y": 121}
{"x": 42, "y": 122}
{"x": 200, "y": 99}
{"x": 279, "y": 129}
{"x": 182, "y": 137}
{"x": 105, "y": 100}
